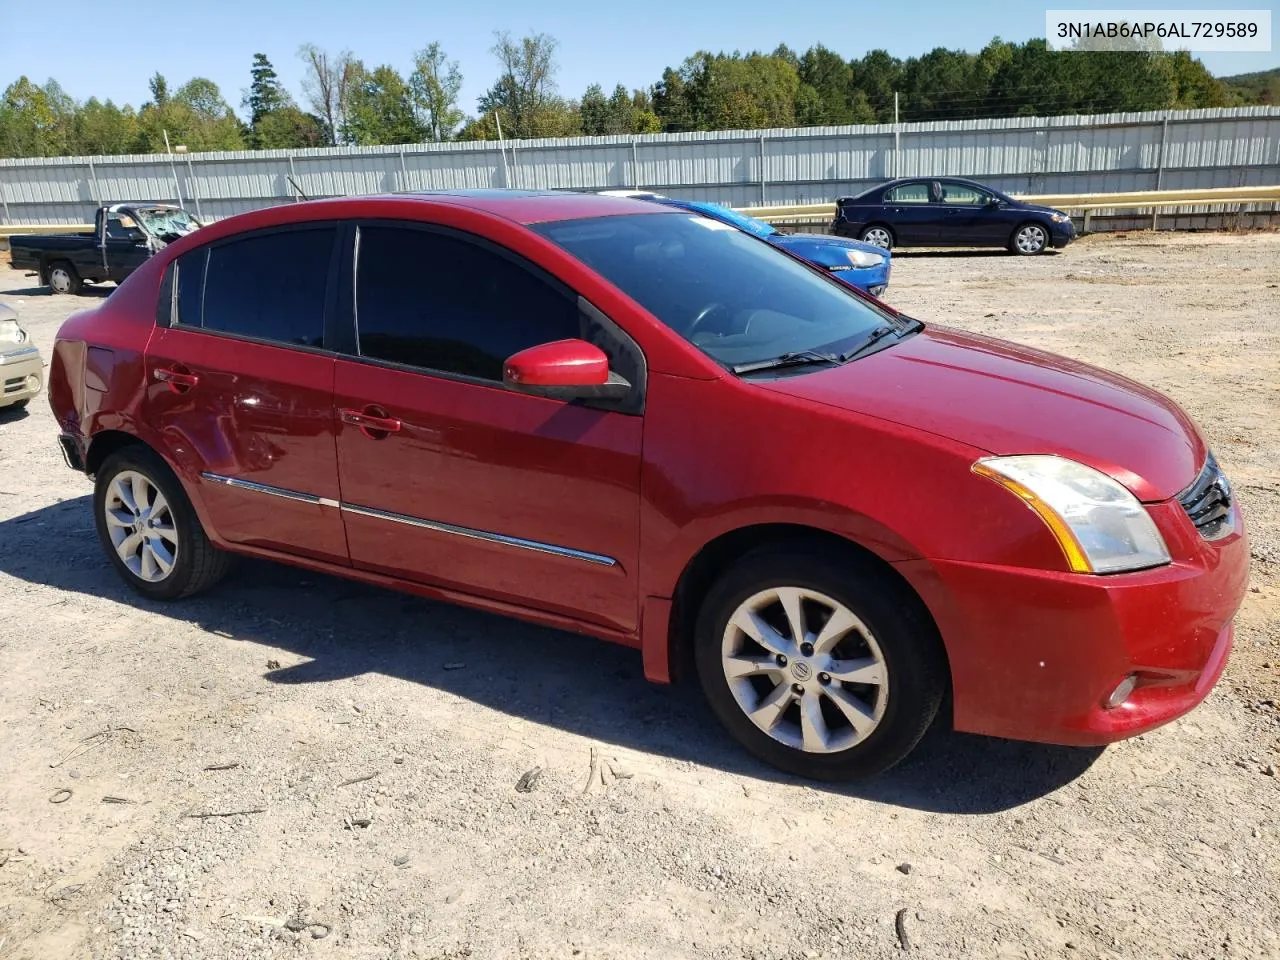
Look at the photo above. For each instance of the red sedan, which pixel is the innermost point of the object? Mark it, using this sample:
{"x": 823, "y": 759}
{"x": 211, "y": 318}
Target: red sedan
{"x": 634, "y": 422}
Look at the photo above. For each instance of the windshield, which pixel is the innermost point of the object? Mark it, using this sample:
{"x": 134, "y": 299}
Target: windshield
{"x": 166, "y": 223}
{"x": 740, "y": 220}
{"x": 736, "y": 298}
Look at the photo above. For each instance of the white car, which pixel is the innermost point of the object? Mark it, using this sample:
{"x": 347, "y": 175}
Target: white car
{"x": 21, "y": 369}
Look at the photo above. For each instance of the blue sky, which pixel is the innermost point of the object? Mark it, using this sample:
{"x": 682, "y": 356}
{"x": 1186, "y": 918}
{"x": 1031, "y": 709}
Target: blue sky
{"x": 109, "y": 50}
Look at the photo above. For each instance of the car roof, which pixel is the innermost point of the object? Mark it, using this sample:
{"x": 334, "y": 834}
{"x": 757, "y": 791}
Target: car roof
{"x": 141, "y": 205}
{"x": 535, "y": 206}
{"x": 900, "y": 181}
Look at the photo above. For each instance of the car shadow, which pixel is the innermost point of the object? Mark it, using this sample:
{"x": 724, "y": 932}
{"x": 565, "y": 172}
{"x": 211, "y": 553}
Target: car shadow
{"x": 89, "y": 290}
{"x": 12, "y": 414}
{"x": 964, "y": 253}
{"x": 575, "y": 683}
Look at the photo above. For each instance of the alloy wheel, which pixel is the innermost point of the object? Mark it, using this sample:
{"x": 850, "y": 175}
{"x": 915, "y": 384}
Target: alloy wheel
{"x": 805, "y": 669}
{"x": 141, "y": 526}
{"x": 878, "y": 237}
{"x": 1031, "y": 239}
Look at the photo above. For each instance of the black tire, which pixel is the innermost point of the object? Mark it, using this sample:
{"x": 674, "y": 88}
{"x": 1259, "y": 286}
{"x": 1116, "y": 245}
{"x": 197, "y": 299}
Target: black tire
{"x": 1018, "y": 248}
{"x": 197, "y": 563}
{"x": 872, "y": 228}
{"x": 914, "y": 661}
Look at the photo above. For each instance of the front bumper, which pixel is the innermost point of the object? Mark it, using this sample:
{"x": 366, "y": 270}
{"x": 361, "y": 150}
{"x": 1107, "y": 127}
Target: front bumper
{"x": 21, "y": 375}
{"x": 1034, "y": 654}
{"x": 1061, "y": 234}
{"x": 872, "y": 280}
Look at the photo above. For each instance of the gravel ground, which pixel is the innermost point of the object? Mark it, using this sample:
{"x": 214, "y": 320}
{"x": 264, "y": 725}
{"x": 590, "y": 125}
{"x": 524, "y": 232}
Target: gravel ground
{"x": 376, "y": 740}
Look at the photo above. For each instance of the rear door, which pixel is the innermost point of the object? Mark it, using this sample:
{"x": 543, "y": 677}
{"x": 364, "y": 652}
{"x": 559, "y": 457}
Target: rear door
{"x": 240, "y": 385}
{"x": 449, "y": 478}
{"x": 911, "y": 213}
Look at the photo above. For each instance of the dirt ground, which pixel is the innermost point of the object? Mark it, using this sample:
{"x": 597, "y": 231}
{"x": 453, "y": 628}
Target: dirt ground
{"x": 377, "y": 740}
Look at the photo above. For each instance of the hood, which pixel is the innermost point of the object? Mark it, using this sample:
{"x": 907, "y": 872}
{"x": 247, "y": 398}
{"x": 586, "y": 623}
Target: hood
{"x": 1033, "y": 207}
{"x": 814, "y": 245}
{"x": 1007, "y": 399}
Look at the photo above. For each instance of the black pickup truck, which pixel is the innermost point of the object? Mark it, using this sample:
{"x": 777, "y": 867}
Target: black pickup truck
{"x": 124, "y": 236}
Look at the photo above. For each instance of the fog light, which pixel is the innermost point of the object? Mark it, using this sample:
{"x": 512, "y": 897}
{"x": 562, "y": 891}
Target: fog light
{"x": 1121, "y": 693}
{"x": 33, "y": 383}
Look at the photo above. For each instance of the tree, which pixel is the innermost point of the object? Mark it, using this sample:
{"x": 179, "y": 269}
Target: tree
{"x": 671, "y": 103}
{"x": 434, "y": 85}
{"x": 29, "y": 124}
{"x": 594, "y": 109}
{"x": 265, "y": 93}
{"x": 195, "y": 115}
{"x": 288, "y": 128}
{"x": 730, "y": 91}
{"x": 379, "y": 108}
{"x": 878, "y": 75}
{"x": 525, "y": 91}
{"x": 831, "y": 80}
{"x": 104, "y": 128}
{"x": 327, "y": 85}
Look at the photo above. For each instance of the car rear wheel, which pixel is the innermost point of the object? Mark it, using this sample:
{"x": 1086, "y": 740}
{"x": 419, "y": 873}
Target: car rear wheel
{"x": 822, "y": 667}
{"x": 64, "y": 278}
{"x": 878, "y": 236}
{"x": 1029, "y": 239}
{"x": 149, "y": 529}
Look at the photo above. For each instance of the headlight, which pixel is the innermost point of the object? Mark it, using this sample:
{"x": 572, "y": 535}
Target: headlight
{"x": 861, "y": 258}
{"x": 10, "y": 332}
{"x": 1059, "y": 217}
{"x": 1101, "y": 526}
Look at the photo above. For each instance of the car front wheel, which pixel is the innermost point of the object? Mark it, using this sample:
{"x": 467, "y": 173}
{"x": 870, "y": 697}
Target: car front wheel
{"x": 823, "y": 667}
{"x": 149, "y": 529}
{"x": 1029, "y": 239}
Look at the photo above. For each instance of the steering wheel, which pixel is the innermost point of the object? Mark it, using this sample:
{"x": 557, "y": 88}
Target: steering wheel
{"x": 703, "y": 314}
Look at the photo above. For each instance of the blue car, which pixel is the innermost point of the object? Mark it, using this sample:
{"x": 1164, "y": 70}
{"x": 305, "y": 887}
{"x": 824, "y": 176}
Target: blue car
{"x": 858, "y": 264}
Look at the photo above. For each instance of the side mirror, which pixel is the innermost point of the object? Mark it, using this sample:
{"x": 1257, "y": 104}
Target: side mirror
{"x": 564, "y": 370}
{"x": 995, "y": 202}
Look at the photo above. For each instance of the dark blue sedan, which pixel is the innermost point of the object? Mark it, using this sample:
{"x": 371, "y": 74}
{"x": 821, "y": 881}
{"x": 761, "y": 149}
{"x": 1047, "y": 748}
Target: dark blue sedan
{"x": 858, "y": 264}
{"x": 950, "y": 212}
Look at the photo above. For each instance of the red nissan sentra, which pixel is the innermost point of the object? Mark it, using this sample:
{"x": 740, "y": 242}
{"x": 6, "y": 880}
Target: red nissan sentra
{"x": 634, "y": 422}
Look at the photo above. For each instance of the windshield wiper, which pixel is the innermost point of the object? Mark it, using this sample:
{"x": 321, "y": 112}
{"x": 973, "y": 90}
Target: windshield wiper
{"x": 872, "y": 338}
{"x": 795, "y": 358}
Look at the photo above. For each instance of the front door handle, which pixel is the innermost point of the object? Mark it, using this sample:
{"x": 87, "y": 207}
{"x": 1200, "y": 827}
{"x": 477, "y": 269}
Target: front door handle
{"x": 372, "y": 421}
{"x": 179, "y": 381}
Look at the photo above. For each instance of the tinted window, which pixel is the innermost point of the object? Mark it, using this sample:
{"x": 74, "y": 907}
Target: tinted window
{"x": 908, "y": 193}
{"x": 270, "y": 286}
{"x": 963, "y": 196}
{"x": 190, "y": 287}
{"x": 436, "y": 301}
{"x": 735, "y": 297}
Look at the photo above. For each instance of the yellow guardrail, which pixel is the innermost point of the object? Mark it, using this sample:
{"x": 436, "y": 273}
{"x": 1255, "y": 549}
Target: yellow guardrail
{"x": 1088, "y": 202}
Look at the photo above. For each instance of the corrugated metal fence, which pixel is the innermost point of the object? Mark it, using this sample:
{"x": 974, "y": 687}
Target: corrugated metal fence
{"x": 1030, "y": 155}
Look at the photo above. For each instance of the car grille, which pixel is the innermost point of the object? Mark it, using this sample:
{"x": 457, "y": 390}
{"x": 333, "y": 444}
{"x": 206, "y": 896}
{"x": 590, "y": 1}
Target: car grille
{"x": 14, "y": 384}
{"x": 1208, "y": 501}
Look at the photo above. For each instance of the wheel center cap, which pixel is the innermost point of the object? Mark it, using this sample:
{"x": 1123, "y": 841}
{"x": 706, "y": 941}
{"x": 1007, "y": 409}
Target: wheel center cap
{"x": 801, "y": 670}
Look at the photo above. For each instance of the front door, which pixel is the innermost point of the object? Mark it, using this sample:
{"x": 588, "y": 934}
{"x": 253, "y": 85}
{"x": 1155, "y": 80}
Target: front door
{"x": 124, "y": 245}
{"x": 450, "y": 479}
{"x": 240, "y": 387}
{"x": 970, "y": 217}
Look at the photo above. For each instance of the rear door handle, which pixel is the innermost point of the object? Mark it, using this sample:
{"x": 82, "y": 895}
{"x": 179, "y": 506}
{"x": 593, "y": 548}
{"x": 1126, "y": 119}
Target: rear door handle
{"x": 372, "y": 421}
{"x": 179, "y": 381}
